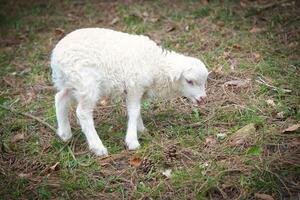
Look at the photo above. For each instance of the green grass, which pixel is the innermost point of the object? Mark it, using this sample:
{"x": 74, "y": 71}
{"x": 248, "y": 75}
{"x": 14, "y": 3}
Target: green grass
{"x": 219, "y": 34}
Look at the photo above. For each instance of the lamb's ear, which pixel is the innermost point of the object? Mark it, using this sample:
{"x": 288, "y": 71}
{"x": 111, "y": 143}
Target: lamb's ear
{"x": 178, "y": 73}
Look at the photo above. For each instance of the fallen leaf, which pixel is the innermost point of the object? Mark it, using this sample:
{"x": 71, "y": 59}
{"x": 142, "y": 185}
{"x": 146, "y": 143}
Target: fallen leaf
{"x": 237, "y": 83}
{"x": 114, "y": 21}
{"x": 167, "y": 173}
{"x": 54, "y": 167}
{"x": 292, "y": 128}
{"x": 293, "y": 44}
{"x": 18, "y": 137}
{"x": 145, "y": 14}
{"x": 256, "y": 56}
{"x": 170, "y": 28}
{"x": 59, "y": 32}
{"x": 263, "y": 196}
{"x": 153, "y": 19}
{"x": 237, "y": 46}
{"x": 135, "y": 162}
{"x": 241, "y": 136}
{"x": 280, "y": 115}
{"x": 210, "y": 140}
{"x": 226, "y": 54}
{"x": 218, "y": 69}
{"x": 257, "y": 30}
{"x": 270, "y": 102}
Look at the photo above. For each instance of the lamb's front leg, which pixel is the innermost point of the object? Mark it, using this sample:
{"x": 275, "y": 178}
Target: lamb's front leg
{"x": 133, "y": 110}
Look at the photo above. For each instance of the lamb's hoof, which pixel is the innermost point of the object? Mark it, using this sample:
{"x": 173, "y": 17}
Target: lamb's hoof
{"x": 64, "y": 136}
{"x": 133, "y": 145}
{"x": 99, "y": 151}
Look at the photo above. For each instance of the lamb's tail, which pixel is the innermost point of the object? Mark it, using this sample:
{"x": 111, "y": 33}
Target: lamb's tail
{"x": 57, "y": 75}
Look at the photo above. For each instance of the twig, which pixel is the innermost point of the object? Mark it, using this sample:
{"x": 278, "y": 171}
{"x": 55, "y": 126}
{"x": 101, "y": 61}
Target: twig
{"x": 28, "y": 115}
{"x": 261, "y": 81}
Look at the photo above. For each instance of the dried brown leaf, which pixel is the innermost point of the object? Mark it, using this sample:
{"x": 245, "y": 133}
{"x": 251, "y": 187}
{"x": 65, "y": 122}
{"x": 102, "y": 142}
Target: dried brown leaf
{"x": 270, "y": 102}
{"x": 145, "y": 14}
{"x": 240, "y": 137}
{"x": 263, "y": 196}
{"x": 257, "y": 30}
{"x": 218, "y": 69}
{"x": 154, "y": 19}
{"x": 256, "y": 56}
{"x": 170, "y": 28}
{"x": 18, "y": 137}
{"x": 59, "y": 32}
{"x": 293, "y": 44}
{"x": 237, "y": 83}
{"x": 237, "y": 46}
{"x": 226, "y": 54}
{"x": 210, "y": 140}
{"x": 135, "y": 162}
{"x": 280, "y": 115}
{"x": 292, "y": 128}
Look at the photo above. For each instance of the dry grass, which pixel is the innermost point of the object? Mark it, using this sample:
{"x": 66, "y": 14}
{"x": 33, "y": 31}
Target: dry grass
{"x": 255, "y": 44}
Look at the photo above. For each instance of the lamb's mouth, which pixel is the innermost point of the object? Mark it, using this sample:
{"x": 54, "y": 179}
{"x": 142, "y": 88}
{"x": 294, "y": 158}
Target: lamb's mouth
{"x": 195, "y": 101}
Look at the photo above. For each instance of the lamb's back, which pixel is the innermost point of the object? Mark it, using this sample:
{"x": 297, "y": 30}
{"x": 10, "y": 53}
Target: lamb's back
{"x": 106, "y": 47}
{"x": 114, "y": 60}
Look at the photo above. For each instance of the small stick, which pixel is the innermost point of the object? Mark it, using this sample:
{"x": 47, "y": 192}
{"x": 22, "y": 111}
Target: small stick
{"x": 30, "y": 116}
{"x": 261, "y": 81}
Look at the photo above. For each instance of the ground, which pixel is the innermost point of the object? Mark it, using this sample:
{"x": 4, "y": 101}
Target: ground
{"x": 235, "y": 148}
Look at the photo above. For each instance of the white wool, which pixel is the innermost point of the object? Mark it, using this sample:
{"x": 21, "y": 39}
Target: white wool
{"x": 94, "y": 62}
{"x": 115, "y": 62}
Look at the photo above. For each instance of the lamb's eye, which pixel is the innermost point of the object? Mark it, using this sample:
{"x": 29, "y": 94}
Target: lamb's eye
{"x": 190, "y": 82}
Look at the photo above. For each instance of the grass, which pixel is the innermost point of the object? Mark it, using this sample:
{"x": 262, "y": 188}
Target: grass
{"x": 40, "y": 166}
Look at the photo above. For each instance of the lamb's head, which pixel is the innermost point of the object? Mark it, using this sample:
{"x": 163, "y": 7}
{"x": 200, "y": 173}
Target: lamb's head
{"x": 192, "y": 80}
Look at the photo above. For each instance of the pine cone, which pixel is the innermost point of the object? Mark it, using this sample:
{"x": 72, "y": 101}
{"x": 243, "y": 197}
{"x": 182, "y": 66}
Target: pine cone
{"x": 171, "y": 154}
{"x": 146, "y": 165}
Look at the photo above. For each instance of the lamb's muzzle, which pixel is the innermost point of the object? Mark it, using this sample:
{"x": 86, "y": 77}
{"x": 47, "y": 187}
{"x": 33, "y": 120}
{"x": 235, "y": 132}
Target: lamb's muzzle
{"x": 91, "y": 63}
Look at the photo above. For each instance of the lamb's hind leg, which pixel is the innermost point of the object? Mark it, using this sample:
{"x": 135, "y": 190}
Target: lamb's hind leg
{"x": 133, "y": 110}
{"x": 140, "y": 124}
{"x": 84, "y": 113}
{"x": 62, "y": 103}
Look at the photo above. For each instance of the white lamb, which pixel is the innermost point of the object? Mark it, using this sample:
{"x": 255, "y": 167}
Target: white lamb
{"x": 94, "y": 62}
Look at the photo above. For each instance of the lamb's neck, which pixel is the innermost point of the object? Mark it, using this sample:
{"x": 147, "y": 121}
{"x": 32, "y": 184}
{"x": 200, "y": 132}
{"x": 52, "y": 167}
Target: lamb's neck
{"x": 166, "y": 83}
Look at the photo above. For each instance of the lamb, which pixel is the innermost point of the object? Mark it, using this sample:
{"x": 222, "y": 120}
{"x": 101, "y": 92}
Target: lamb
{"x": 90, "y": 63}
